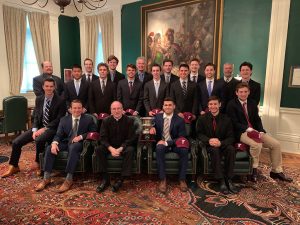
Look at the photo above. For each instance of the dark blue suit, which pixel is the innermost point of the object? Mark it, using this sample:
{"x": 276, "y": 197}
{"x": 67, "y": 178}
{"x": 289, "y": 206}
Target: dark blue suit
{"x": 64, "y": 137}
{"x": 177, "y": 129}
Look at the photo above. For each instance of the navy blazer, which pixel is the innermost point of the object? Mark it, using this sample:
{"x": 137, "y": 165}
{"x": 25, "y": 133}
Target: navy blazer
{"x": 64, "y": 132}
{"x": 177, "y": 128}
{"x": 235, "y": 111}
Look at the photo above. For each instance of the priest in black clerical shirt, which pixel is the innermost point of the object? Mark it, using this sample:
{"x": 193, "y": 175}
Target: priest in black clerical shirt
{"x": 117, "y": 137}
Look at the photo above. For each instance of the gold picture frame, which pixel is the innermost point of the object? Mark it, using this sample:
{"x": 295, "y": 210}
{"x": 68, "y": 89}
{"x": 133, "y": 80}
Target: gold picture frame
{"x": 294, "y": 79}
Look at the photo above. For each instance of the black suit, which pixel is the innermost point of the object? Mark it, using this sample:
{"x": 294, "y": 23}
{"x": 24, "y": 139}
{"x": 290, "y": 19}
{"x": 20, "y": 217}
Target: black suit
{"x": 133, "y": 100}
{"x": 173, "y": 78}
{"x": 203, "y": 94}
{"x": 228, "y": 90}
{"x": 117, "y": 133}
{"x": 224, "y": 132}
{"x": 99, "y": 102}
{"x": 38, "y": 84}
{"x": 177, "y": 129}
{"x": 64, "y": 136}
{"x": 70, "y": 93}
{"x": 150, "y": 99}
{"x": 188, "y": 103}
{"x": 56, "y": 111}
{"x": 94, "y": 77}
{"x": 118, "y": 77}
{"x": 236, "y": 113}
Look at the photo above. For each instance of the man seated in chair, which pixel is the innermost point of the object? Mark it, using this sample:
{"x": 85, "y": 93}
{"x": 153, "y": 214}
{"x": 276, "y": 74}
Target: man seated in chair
{"x": 49, "y": 108}
{"x": 117, "y": 137}
{"x": 249, "y": 130}
{"x": 215, "y": 131}
{"x": 168, "y": 128}
{"x": 71, "y": 132}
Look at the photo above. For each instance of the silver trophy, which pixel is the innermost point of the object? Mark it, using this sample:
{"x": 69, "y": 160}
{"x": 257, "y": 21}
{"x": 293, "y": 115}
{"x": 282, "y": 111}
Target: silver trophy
{"x": 147, "y": 124}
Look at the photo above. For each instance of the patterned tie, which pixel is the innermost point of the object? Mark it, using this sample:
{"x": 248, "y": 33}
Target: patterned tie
{"x": 214, "y": 124}
{"x": 246, "y": 114}
{"x": 166, "y": 131}
{"x": 46, "y": 113}
{"x": 112, "y": 75}
{"x": 103, "y": 86}
{"x": 184, "y": 88}
{"x": 77, "y": 87}
{"x": 141, "y": 77}
{"x": 167, "y": 79}
{"x": 130, "y": 87}
{"x": 89, "y": 78}
{"x": 227, "y": 80}
{"x": 194, "y": 79}
{"x": 209, "y": 88}
{"x": 75, "y": 127}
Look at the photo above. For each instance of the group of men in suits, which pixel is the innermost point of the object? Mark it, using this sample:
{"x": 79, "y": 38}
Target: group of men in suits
{"x": 144, "y": 94}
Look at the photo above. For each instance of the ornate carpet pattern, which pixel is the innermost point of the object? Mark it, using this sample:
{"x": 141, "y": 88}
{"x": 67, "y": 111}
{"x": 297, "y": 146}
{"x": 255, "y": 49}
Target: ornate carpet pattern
{"x": 138, "y": 202}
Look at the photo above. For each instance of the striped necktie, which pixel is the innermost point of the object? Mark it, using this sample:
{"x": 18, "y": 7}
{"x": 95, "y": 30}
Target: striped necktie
{"x": 184, "y": 88}
{"x": 46, "y": 113}
{"x": 166, "y": 131}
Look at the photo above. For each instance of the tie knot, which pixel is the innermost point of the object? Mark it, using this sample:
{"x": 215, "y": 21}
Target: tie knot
{"x": 76, "y": 120}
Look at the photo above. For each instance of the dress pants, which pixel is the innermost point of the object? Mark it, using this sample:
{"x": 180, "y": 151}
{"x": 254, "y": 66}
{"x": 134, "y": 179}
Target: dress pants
{"x": 24, "y": 139}
{"x": 74, "y": 150}
{"x": 161, "y": 151}
{"x": 216, "y": 155}
{"x": 268, "y": 142}
{"x": 127, "y": 155}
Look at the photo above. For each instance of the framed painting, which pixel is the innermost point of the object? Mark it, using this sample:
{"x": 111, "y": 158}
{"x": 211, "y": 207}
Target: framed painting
{"x": 181, "y": 30}
{"x": 294, "y": 79}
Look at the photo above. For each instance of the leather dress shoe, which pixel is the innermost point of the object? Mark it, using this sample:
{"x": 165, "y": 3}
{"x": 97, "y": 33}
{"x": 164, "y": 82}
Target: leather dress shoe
{"x": 10, "y": 171}
{"x": 162, "y": 187}
{"x": 102, "y": 187}
{"x": 253, "y": 176}
{"x": 41, "y": 186}
{"x": 223, "y": 187}
{"x": 280, "y": 176}
{"x": 116, "y": 186}
{"x": 183, "y": 186}
{"x": 231, "y": 187}
{"x": 65, "y": 186}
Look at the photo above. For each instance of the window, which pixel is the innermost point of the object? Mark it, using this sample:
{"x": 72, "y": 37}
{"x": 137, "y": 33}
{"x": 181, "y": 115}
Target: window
{"x": 99, "y": 52}
{"x": 30, "y": 65}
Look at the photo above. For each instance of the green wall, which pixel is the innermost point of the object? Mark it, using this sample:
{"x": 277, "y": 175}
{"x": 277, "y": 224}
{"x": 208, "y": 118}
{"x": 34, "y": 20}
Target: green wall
{"x": 244, "y": 38}
{"x": 69, "y": 42}
{"x": 289, "y": 95}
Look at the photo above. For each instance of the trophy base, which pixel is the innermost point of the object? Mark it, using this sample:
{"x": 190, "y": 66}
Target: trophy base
{"x": 147, "y": 138}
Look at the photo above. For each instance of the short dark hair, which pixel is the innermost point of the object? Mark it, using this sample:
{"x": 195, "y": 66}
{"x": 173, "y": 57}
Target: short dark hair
{"x": 210, "y": 64}
{"x": 102, "y": 64}
{"x": 76, "y": 66}
{"x": 76, "y": 101}
{"x": 131, "y": 66}
{"x": 242, "y": 85}
{"x": 87, "y": 59}
{"x": 169, "y": 99}
{"x": 168, "y": 60}
{"x": 184, "y": 65}
{"x": 156, "y": 65}
{"x": 246, "y": 64}
{"x": 112, "y": 57}
{"x": 213, "y": 98}
{"x": 49, "y": 79}
{"x": 195, "y": 59}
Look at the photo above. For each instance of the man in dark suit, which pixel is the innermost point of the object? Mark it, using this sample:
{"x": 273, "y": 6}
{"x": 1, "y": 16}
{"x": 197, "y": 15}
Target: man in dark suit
{"x": 246, "y": 73}
{"x": 102, "y": 92}
{"x": 215, "y": 131}
{"x": 168, "y": 77}
{"x": 249, "y": 130}
{"x": 130, "y": 91}
{"x": 184, "y": 93}
{"x": 168, "y": 128}
{"x": 88, "y": 71}
{"x": 155, "y": 91}
{"x": 228, "y": 83}
{"x": 194, "y": 75}
{"x": 49, "y": 108}
{"x": 141, "y": 74}
{"x": 78, "y": 88}
{"x": 71, "y": 132}
{"x": 209, "y": 87}
{"x": 47, "y": 73}
{"x": 118, "y": 138}
{"x": 114, "y": 75}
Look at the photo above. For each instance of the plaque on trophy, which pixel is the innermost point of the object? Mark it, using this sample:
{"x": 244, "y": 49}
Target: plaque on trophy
{"x": 147, "y": 124}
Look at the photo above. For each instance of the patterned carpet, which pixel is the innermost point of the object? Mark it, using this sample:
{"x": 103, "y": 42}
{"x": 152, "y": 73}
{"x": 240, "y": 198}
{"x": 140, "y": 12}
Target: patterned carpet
{"x": 268, "y": 202}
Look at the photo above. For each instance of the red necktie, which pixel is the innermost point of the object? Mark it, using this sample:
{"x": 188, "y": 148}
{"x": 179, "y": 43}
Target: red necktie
{"x": 246, "y": 114}
{"x": 214, "y": 123}
{"x": 130, "y": 86}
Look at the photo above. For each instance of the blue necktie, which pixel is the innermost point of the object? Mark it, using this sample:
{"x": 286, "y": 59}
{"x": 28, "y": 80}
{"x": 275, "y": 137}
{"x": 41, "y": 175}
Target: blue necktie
{"x": 141, "y": 77}
{"x": 77, "y": 87}
{"x": 209, "y": 88}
